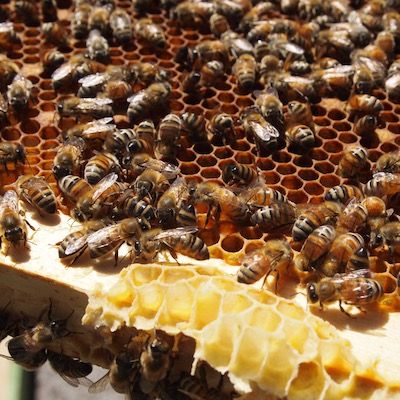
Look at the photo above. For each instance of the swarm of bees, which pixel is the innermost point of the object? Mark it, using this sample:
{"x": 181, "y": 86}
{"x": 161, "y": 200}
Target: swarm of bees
{"x": 119, "y": 165}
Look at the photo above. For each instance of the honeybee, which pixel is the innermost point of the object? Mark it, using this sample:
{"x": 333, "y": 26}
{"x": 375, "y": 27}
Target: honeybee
{"x": 195, "y": 388}
{"x": 255, "y": 14}
{"x": 178, "y": 240}
{"x": 76, "y": 107}
{"x": 315, "y": 246}
{"x": 237, "y": 44}
{"x": 91, "y": 84}
{"x": 150, "y": 32}
{"x": 301, "y": 135}
{"x": 271, "y": 107}
{"x": 313, "y": 217}
{"x": 343, "y": 193}
{"x": 80, "y": 21}
{"x": 238, "y": 174}
{"x": 72, "y": 370}
{"x": 295, "y": 87}
{"x": 362, "y": 104}
{"x": 358, "y": 260}
{"x": 117, "y": 141}
{"x": 171, "y": 207}
{"x": 352, "y": 288}
{"x": 19, "y": 93}
{"x": 389, "y": 162}
{"x": 13, "y": 228}
{"x": 366, "y": 125}
{"x": 73, "y": 187}
{"x": 99, "y": 19}
{"x": 259, "y": 31}
{"x": 383, "y": 183}
{"x": 388, "y": 235}
{"x": 270, "y": 65}
{"x": 212, "y": 50}
{"x": 193, "y": 15}
{"x": 274, "y": 256}
{"x": 151, "y": 183}
{"x": 266, "y": 136}
{"x": 121, "y": 26}
{"x": 69, "y": 157}
{"x": 335, "y": 81}
{"x": 353, "y": 161}
{"x": 52, "y": 59}
{"x": 275, "y": 215}
{"x": 28, "y": 350}
{"x": 300, "y": 113}
{"x": 97, "y": 47}
{"x": 190, "y": 83}
{"x": 75, "y": 243}
{"x": 154, "y": 363}
{"x": 147, "y": 100}
{"x": 212, "y": 73}
{"x": 385, "y": 40}
{"x": 343, "y": 247}
{"x": 220, "y": 199}
{"x": 353, "y": 217}
{"x": 222, "y": 127}
{"x": 392, "y": 85}
{"x": 195, "y": 126}
{"x": 55, "y": 33}
{"x": 11, "y": 153}
{"x": 100, "y": 165}
{"x": 8, "y": 70}
{"x": 129, "y": 204}
{"x": 148, "y": 73}
{"x": 117, "y": 90}
{"x": 334, "y": 44}
{"x": 37, "y": 192}
{"x": 8, "y": 37}
{"x": 218, "y": 24}
{"x": 111, "y": 237}
{"x": 376, "y": 68}
{"x": 28, "y": 12}
{"x": 245, "y": 70}
{"x": 299, "y": 67}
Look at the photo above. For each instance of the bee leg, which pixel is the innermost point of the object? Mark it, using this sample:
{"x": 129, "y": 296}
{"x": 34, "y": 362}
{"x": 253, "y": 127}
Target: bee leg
{"x": 344, "y": 311}
{"x": 30, "y": 226}
{"x": 116, "y": 255}
{"x": 276, "y": 282}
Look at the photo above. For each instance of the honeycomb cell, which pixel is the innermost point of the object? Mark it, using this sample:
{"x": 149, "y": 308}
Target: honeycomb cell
{"x": 30, "y": 141}
{"x": 333, "y": 146}
{"x": 48, "y": 95}
{"x": 313, "y": 188}
{"x": 336, "y": 114}
{"x": 271, "y": 177}
{"x": 286, "y": 169}
{"x": 205, "y": 148}
{"x": 31, "y": 59}
{"x": 206, "y": 161}
{"x": 244, "y": 158}
{"x": 303, "y": 161}
{"x": 327, "y": 133}
{"x": 389, "y": 116}
{"x": 223, "y": 153}
{"x": 10, "y": 134}
{"x": 232, "y": 243}
{"x": 341, "y": 126}
{"x": 251, "y": 233}
{"x": 324, "y": 167}
{"x": 30, "y": 126}
{"x": 281, "y": 156}
{"x": 189, "y": 168}
{"x": 388, "y": 147}
{"x": 243, "y": 102}
{"x": 297, "y": 196}
{"x": 229, "y": 109}
{"x": 210, "y": 173}
{"x": 49, "y": 132}
{"x": 292, "y": 182}
{"x": 265, "y": 164}
{"x": 322, "y": 121}
{"x": 394, "y": 128}
{"x": 348, "y": 137}
{"x": 373, "y": 155}
{"x": 318, "y": 110}
{"x": 308, "y": 175}
{"x": 329, "y": 180}
{"x": 319, "y": 154}
{"x": 253, "y": 245}
{"x": 370, "y": 142}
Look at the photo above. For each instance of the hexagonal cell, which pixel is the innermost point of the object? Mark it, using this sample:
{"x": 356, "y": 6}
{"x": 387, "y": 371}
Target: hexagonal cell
{"x": 324, "y": 167}
{"x": 394, "y": 128}
{"x": 244, "y": 158}
{"x": 224, "y": 152}
{"x": 265, "y": 164}
{"x": 10, "y": 134}
{"x": 189, "y": 168}
{"x": 341, "y": 126}
{"x": 282, "y": 156}
{"x": 308, "y": 175}
{"x": 251, "y": 233}
{"x": 30, "y": 126}
{"x": 297, "y": 196}
{"x": 30, "y": 141}
{"x": 327, "y": 133}
{"x": 286, "y": 169}
{"x": 204, "y": 148}
{"x": 322, "y": 121}
{"x": 348, "y": 137}
{"x": 318, "y": 110}
{"x": 333, "y": 146}
{"x": 210, "y": 173}
{"x": 303, "y": 161}
{"x": 336, "y": 114}
{"x": 319, "y": 154}
{"x": 292, "y": 182}
{"x": 271, "y": 177}
{"x": 232, "y": 243}
{"x": 388, "y": 147}
{"x": 206, "y": 161}
{"x": 389, "y": 116}
{"x": 49, "y": 132}
{"x": 329, "y": 180}
{"x": 313, "y": 188}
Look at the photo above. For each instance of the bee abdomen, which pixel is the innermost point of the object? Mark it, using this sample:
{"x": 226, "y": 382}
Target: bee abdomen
{"x": 191, "y": 246}
{"x": 274, "y": 215}
{"x": 186, "y": 216}
{"x": 45, "y": 200}
{"x": 302, "y": 228}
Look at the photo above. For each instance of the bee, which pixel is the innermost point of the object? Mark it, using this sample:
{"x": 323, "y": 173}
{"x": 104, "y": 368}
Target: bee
{"x": 116, "y": 143}
{"x": 274, "y": 256}
{"x": 97, "y": 47}
{"x": 259, "y": 31}
{"x": 76, "y": 107}
{"x": 195, "y": 126}
{"x": 343, "y": 193}
{"x": 121, "y": 26}
{"x": 55, "y": 33}
{"x": 389, "y": 162}
{"x": 275, "y": 215}
{"x": 8, "y": 37}
{"x": 233, "y": 10}
{"x": 245, "y": 70}
{"x": 8, "y": 70}
{"x": 218, "y": 24}
{"x": 342, "y": 249}
{"x": 299, "y": 67}
{"x": 171, "y": 207}
{"x": 353, "y": 161}
{"x": 376, "y": 69}
{"x": 309, "y": 9}
{"x": 237, "y": 45}
{"x": 271, "y": 107}
{"x": 91, "y": 85}
{"x": 300, "y": 114}
{"x": 117, "y": 90}
{"x": 237, "y": 174}
{"x": 11, "y": 153}
{"x": 212, "y": 50}
{"x": 266, "y": 136}
{"x": 335, "y": 81}
{"x": 147, "y": 100}
{"x": 28, "y": 12}
{"x": 52, "y": 59}
{"x": 19, "y": 93}
{"x": 366, "y": 125}
{"x": 391, "y": 23}
{"x": 144, "y": 143}
{"x": 353, "y": 217}
{"x": 385, "y": 41}
{"x": 69, "y": 157}
{"x": 388, "y": 234}
{"x": 148, "y": 73}
{"x": 301, "y": 135}
{"x": 73, "y": 187}
{"x": 296, "y": 87}
{"x": 313, "y": 217}
{"x": 112, "y": 237}
{"x": 392, "y": 85}
{"x": 154, "y": 364}
{"x": 335, "y": 44}
{"x": 362, "y": 104}
{"x": 194, "y": 388}
{"x": 129, "y": 204}
{"x": 72, "y": 370}
{"x": 222, "y": 127}
{"x": 100, "y": 165}
{"x": 354, "y": 288}
{"x": 190, "y": 83}
{"x": 192, "y": 15}
{"x": 220, "y": 199}
{"x": 382, "y": 184}
{"x": 150, "y": 32}
{"x": 13, "y": 228}
{"x": 80, "y": 21}
{"x": 315, "y": 246}
{"x": 270, "y": 65}
{"x": 99, "y": 19}
{"x": 37, "y": 192}
{"x": 151, "y": 183}
{"x": 75, "y": 243}
{"x": 28, "y": 349}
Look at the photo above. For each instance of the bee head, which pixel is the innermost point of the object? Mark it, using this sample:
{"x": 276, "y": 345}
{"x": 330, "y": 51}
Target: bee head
{"x": 15, "y": 234}
{"x": 60, "y": 107}
{"x": 166, "y": 216}
{"x": 20, "y": 152}
{"x": 60, "y": 171}
{"x": 144, "y": 188}
{"x": 79, "y": 215}
{"x": 158, "y": 348}
{"x": 133, "y": 146}
{"x": 312, "y": 294}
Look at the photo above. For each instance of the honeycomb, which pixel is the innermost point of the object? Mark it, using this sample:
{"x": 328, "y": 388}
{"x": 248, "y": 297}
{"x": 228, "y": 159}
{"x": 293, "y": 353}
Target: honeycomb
{"x": 263, "y": 341}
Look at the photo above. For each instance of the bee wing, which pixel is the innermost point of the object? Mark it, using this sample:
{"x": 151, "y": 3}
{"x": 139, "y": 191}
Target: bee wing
{"x": 62, "y": 72}
{"x": 101, "y": 125}
{"x": 291, "y": 48}
{"x": 104, "y": 184}
{"x": 3, "y": 104}
{"x": 6, "y": 26}
{"x": 176, "y": 232}
{"x": 90, "y": 104}
{"x": 97, "y": 237}
{"x": 358, "y": 273}
{"x": 93, "y": 80}
{"x": 161, "y": 166}
{"x": 100, "y": 385}
{"x": 9, "y": 200}
{"x": 264, "y": 133}
{"x": 76, "y": 245}
{"x": 139, "y": 96}
{"x": 386, "y": 176}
